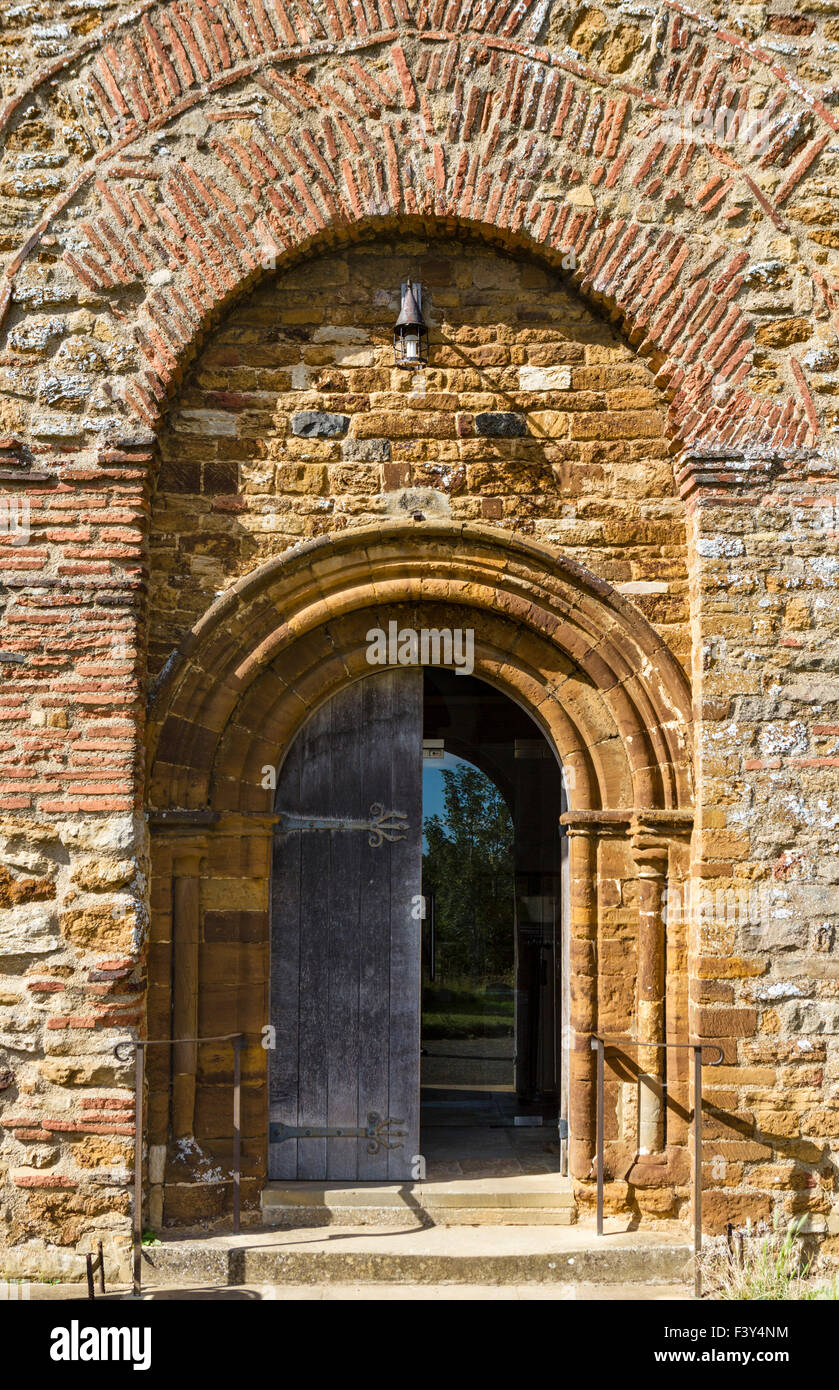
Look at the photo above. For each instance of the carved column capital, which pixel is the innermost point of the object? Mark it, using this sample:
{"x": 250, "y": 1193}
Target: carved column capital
{"x": 596, "y": 822}
{"x": 188, "y": 858}
{"x": 651, "y": 853}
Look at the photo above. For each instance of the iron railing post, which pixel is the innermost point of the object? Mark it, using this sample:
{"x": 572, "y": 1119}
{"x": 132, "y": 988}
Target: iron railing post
{"x": 237, "y": 1130}
{"x": 137, "y": 1224}
{"x": 598, "y": 1045}
{"x": 697, "y": 1169}
{"x": 92, "y": 1265}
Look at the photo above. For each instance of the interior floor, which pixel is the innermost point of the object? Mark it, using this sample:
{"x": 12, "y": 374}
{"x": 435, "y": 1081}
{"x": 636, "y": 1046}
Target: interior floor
{"x": 486, "y": 1134}
{"x": 467, "y": 1064}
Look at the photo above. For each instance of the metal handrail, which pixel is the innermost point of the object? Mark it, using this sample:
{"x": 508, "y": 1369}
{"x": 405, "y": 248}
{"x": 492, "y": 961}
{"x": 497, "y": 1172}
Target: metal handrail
{"x": 91, "y": 1267}
{"x": 599, "y": 1045}
{"x": 139, "y": 1047}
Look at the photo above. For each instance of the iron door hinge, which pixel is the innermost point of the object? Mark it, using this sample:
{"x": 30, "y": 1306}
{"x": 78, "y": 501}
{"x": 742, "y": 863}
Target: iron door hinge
{"x": 382, "y": 825}
{"x": 379, "y": 1133}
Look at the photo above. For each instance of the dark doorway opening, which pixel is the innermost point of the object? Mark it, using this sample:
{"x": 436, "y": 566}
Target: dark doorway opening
{"x": 491, "y": 1061}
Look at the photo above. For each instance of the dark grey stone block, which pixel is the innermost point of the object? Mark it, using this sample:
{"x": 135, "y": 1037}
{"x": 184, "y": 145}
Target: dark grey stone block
{"x": 503, "y": 424}
{"x": 312, "y": 424}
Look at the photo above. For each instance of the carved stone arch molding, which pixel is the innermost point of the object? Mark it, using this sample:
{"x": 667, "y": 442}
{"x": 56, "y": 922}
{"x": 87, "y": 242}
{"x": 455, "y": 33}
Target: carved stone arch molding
{"x": 578, "y": 656}
{"x": 203, "y": 141}
{"x": 277, "y": 644}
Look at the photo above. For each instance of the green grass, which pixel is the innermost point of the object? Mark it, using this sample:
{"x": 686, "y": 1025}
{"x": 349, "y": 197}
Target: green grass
{"x": 768, "y": 1268}
{"x": 464, "y": 1025}
{"x": 460, "y": 1007}
{"x": 451, "y": 1000}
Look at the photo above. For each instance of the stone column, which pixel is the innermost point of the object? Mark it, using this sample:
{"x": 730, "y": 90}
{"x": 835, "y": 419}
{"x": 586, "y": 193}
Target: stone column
{"x": 582, "y": 966}
{"x": 651, "y": 855}
{"x": 185, "y": 936}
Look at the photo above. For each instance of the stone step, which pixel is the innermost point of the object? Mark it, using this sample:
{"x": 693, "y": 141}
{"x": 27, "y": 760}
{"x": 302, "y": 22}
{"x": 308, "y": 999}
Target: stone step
{"x": 498, "y": 1255}
{"x": 516, "y": 1200}
{"x": 391, "y": 1293}
{"x": 404, "y": 1293}
{"x": 291, "y": 1217}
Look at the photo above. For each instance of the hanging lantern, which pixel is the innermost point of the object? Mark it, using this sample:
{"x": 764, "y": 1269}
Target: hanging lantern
{"x": 410, "y": 335}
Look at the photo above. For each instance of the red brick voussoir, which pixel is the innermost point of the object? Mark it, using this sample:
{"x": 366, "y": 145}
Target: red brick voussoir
{"x": 279, "y": 129}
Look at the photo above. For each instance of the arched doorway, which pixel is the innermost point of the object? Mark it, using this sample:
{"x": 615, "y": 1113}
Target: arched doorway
{"x": 594, "y": 677}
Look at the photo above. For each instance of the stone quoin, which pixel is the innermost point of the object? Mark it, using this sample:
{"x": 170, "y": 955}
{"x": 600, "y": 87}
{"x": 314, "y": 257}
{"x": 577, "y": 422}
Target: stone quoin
{"x": 618, "y": 471}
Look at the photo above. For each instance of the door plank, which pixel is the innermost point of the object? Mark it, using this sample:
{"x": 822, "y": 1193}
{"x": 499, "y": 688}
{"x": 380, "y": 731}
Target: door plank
{"x": 285, "y": 975}
{"x": 314, "y": 957}
{"x": 374, "y": 980}
{"x": 406, "y": 928}
{"x": 343, "y": 1043}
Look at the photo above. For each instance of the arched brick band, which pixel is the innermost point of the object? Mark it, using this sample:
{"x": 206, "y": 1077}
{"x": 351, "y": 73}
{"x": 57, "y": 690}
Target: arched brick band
{"x": 290, "y": 126}
{"x": 575, "y": 653}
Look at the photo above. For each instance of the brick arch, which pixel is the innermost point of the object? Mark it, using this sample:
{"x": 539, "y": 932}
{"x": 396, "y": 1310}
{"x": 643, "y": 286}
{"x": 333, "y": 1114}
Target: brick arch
{"x": 578, "y": 656}
{"x": 411, "y": 111}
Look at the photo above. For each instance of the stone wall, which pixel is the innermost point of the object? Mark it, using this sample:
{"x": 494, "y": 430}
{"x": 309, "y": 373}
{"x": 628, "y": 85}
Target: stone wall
{"x": 181, "y": 181}
{"x": 532, "y": 414}
{"x": 765, "y": 901}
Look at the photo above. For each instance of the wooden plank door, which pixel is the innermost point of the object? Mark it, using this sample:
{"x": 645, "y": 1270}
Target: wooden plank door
{"x": 345, "y": 936}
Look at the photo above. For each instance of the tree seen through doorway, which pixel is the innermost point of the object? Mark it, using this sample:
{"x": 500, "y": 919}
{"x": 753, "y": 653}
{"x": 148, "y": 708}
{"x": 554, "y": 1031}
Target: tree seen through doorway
{"x": 468, "y": 868}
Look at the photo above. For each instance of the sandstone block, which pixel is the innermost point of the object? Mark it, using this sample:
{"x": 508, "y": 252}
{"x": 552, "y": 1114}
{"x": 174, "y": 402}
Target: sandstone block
{"x": 720, "y": 1208}
{"x": 99, "y": 928}
{"x": 84, "y": 1071}
{"x": 23, "y": 890}
{"x": 725, "y": 1022}
{"x": 95, "y": 1151}
{"x": 96, "y": 875}
{"x": 28, "y": 931}
{"x": 309, "y": 479}
{"x": 545, "y": 378}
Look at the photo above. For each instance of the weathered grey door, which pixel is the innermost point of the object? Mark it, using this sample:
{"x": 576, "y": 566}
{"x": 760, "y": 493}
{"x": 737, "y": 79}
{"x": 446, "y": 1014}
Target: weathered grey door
{"x": 345, "y": 937}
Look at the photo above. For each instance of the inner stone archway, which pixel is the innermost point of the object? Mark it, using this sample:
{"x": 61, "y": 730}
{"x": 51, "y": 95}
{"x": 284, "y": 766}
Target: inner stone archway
{"x": 592, "y": 673}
